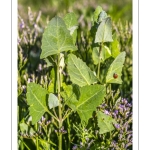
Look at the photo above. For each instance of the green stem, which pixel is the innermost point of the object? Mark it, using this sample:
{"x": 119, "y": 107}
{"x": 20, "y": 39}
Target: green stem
{"x": 98, "y": 70}
{"x": 99, "y": 64}
{"x": 37, "y": 144}
{"x": 67, "y": 114}
{"x": 52, "y": 115}
{"x": 69, "y": 136}
{"x": 25, "y": 144}
{"x": 59, "y": 98}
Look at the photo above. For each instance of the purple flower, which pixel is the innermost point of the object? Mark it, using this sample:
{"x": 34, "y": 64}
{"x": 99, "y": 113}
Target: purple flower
{"x": 106, "y": 112}
{"x": 117, "y": 126}
{"x": 129, "y": 105}
{"x": 114, "y": 143}
{"x": 116, "y": 112}
{"x": 22, "y": 25}
{"x": 74, "y": 147}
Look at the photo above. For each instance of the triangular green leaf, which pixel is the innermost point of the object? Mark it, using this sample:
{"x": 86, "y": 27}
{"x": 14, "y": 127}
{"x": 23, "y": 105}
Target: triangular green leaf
{"x": 116, "y": 68}
{"x": 104, "y": 31}
{"x": 36, "y": 98}
{"x": 91, "y": 97}
{"x": 52, "y": 101}
{"x": 79, "y": 72}
{"x": 105, "y": 122}
{"x": 56, "y": 38}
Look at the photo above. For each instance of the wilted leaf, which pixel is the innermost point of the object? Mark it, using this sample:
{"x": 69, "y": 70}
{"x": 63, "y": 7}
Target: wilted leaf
{"x": 105, "y": 122}
{"x": 116, "y": 68}
{"x": 36, "y": 98}
{"x": 79, "y": 72}
{"x": 104, "y": 31}
{"x": 56, "y": 38}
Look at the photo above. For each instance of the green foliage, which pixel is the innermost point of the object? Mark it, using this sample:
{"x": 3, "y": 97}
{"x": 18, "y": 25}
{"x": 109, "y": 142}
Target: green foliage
{"x": 97, "y": 11}
{"x": 56, "y": 38}
{"x": 91, "y": 97}
{"x": 104, "y": 31}
{"x": 71, "y": 23}
{"x": 79, "y": 72}
{"x": 36, "y": 98}
{"x": 105, "y": 53}
{"x": 116, "y": 68}
{"x": 52, "y": 101}
{"x": 24, "y": 128}
{"x": 115, "y": 48}
{"x": 95, "y": 55}
{"x": 105, "y": 122}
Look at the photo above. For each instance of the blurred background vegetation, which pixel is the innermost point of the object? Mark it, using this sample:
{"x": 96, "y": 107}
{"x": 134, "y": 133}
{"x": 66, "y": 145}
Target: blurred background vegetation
{"x": 118, "y": 9}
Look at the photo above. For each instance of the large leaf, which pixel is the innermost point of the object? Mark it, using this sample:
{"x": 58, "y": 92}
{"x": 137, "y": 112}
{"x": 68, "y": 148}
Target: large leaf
{"x": 105, "y": 122}
{"x": 56, "y": 38}
{"x": 79, "y": 72}
{"x": 116, "y": 68}
{"x": 71, "y": 23}
{"x": 52, "y": 101}
{"x": 91, "y": 97}
{"x": 36, "y": 98}
{"x": 104, "y": 31}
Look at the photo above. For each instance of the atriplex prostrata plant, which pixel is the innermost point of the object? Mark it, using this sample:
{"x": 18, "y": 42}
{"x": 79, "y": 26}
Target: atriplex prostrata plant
{"x": 84, "y": 90}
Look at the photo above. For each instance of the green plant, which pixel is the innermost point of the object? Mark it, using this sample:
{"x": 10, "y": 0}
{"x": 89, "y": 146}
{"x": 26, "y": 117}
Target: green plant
{"x": 75, "y": 90}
